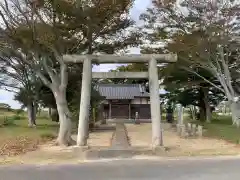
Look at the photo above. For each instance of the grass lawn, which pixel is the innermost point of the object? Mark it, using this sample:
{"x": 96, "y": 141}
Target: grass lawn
{"x": 225, "y": 132}
{"x": 17, "y": 138}
{"x": 20, "y": 128}
{"x": 221, "y": 128}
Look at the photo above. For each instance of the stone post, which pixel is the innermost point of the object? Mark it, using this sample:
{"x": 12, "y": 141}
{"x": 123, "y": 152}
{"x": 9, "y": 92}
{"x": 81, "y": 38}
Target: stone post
{"x": 194, "y": 129}
{"x": 189, "y": 129}
{"x": 180, "y": 114}
{"x": 179, "y": 129}
{"x": 155, "y": 103}
{"x": 199, "y": 131}
{"x": 180, "y": 117}
{"x": 84, "y": 103}
{"x": 183, "y": 131}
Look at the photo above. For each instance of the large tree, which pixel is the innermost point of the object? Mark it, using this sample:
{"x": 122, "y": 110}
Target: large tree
{"x": 202, "y": 33}
{"x": 17, "y": 77}
{"x": 46, "y": 30}
{"x": 187, "y": 89}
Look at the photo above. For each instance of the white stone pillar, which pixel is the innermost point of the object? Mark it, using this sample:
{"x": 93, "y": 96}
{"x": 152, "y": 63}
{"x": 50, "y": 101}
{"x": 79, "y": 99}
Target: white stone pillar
{"x": 180, "y": 114}
{"x": 85, "y": 103}
{"x": 155, "y": 103}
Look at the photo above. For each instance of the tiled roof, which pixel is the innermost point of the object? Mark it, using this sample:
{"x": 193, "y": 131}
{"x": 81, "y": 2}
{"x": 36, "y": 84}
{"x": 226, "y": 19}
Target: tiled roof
{"x": 122, "y": 91}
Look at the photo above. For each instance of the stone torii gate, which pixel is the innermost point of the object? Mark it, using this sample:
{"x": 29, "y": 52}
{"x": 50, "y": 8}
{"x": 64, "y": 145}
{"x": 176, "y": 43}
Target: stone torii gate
{"x": 152, "y": 75}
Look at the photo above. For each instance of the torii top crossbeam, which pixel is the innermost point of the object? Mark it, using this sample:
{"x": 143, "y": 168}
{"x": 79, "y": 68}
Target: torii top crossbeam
{"x": 131, "y": 58}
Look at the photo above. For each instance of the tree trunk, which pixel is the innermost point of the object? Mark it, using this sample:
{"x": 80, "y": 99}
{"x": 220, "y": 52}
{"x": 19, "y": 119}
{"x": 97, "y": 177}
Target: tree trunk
{"x": 64, "y": 134}
{"x": 169, "y": 115}
{"x": 202, "y": 113}
{"x": 58, "y": 86}
{"x": 207, "y": 105}
{"x": 31, "y": 115}
{"x": 235, "y": 113}
{"x": 202, "y": 108}
{"x": 53, "y": 114}
{"x": 49, "y": 112}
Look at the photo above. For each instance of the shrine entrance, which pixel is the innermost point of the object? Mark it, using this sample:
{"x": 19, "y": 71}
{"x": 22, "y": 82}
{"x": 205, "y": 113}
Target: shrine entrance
{"x": 152, "y": 75}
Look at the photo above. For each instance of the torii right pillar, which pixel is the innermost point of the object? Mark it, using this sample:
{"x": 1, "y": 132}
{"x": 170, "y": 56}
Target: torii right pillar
{"x": 155, "y": 104}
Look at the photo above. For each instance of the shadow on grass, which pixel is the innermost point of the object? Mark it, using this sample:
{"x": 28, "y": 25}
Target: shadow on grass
{"x": 224, "y": 120}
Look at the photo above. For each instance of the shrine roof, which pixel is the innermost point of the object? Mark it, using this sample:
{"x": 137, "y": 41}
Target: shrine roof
{"x": 122, "y": 91}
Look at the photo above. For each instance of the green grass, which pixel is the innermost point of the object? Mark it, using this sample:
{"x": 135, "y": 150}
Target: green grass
{"x": 18, "y": 126}
{"x": 221, "y": 128}
{"x": 222, "y": 131}
{"x": 21, "y": 128}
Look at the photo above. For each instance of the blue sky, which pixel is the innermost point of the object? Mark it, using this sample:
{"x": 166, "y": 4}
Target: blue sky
{"x": 138, "y": 8}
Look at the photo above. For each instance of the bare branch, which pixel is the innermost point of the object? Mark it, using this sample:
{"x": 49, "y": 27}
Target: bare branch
{"x": 49, "y": 70}
{"x": 214, "y": 85}
{"x": 44, "y": 79}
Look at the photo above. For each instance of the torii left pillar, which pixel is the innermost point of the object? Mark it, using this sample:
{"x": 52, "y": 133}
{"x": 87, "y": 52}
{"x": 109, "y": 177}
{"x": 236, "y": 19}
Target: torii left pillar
{"x": 83, "y": 124}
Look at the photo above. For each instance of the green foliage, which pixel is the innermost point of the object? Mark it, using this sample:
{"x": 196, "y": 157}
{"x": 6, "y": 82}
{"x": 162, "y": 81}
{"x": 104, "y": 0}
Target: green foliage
{"x": 19, "y": 111}
{"x": 72, "y": 26}
{"x": 41, "y": 35}
{"x": 196, "y": 48}
{"x": 134, "y": 67}
{"x": 94, "y": 102}
{"x": 23, "y": 97}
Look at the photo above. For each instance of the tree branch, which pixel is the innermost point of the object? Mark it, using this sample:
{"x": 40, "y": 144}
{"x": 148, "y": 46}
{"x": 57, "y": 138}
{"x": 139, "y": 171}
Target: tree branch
{"x": 49, "y": 71}
{"x": 44, "y": 79}
{"x": 63, "y": 76}
{"x": 189, "y": 70}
